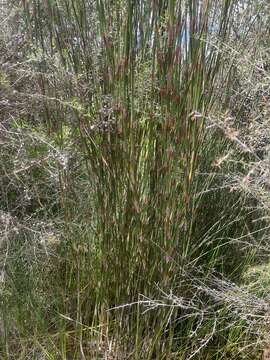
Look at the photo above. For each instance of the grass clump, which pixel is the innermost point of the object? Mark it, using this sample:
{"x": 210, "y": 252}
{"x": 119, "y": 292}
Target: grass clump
{"x": 125, "y": 223}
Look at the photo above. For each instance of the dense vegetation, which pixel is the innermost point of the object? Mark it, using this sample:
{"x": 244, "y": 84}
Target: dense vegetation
{"x": 134, "y": 179}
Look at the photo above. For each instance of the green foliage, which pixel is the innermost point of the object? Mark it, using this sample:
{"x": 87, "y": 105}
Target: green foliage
{"x": 126, "y": 195}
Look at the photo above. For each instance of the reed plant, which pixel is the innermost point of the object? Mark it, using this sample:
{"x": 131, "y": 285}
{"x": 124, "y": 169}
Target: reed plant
{"x": 124, "y": 91}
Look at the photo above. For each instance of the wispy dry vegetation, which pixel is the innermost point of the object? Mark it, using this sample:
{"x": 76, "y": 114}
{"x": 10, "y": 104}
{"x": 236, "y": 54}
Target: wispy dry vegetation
{"x": 134, "y": 161}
